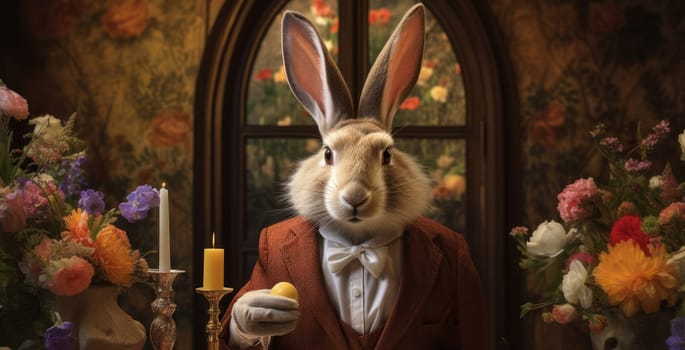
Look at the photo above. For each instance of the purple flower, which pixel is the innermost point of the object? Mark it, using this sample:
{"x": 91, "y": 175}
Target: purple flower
{"x": 677, "y": 339}
{"x": 139, "y": 203}
{"x": 93, "y": 202}
{"x": 58, "y": 337}
{"x": 75, "y": 179}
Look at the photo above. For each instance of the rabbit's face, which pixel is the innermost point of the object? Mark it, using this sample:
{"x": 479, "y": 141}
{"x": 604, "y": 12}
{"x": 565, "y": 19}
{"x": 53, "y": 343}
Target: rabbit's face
{"x": 358, "y": 183}
{"x": 356, "y": 157}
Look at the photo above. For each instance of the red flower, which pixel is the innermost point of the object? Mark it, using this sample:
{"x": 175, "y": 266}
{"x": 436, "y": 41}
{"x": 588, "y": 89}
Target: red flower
{"x": 334, "y": 28}
{"x": 380, "y": 16}
{"x": 263, "y": 74}
{"x": 629, "y": 228}
{"x": 410, "y": 103}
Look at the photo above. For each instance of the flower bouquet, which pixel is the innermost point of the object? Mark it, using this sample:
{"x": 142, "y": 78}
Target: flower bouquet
{"x": 619, "y": 248}
{"x": 57, "y": 238}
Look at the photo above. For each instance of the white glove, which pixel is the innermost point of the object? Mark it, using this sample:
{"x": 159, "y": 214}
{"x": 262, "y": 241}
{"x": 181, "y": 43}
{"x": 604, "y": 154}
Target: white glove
{"x": 258, "y": 314}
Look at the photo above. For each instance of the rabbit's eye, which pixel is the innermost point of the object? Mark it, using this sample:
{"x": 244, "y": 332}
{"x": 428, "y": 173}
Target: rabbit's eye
{"x": 387, "y": 154}
{"x": 328, "y": 155}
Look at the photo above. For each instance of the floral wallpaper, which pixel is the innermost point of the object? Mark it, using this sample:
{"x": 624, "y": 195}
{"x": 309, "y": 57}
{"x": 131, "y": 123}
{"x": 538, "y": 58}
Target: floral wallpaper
{"x": 579, "y": 63}
{"x": 128, "y": 69}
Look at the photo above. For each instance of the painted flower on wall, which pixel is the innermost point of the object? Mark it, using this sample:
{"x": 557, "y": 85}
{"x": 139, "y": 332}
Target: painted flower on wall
{"x": 127, "y": 19}
{"x": 55, "y": 19}
{"x": 605, "y": 18}
{"x": 544, "y": 126}
{"x": 169, "y": 129}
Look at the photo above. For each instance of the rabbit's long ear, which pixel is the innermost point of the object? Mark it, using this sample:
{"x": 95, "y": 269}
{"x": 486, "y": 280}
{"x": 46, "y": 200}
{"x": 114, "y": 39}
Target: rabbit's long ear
{"x": 396, "y": 69}
{"x": 312, "y": 74}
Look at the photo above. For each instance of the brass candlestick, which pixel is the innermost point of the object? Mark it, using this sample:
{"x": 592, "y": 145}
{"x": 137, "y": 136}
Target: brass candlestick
{"x": 213, "y": 325}
{"x": 163, "y": 327}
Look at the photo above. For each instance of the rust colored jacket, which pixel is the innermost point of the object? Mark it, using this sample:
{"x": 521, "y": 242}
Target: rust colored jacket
{"x": 439, "y": 304}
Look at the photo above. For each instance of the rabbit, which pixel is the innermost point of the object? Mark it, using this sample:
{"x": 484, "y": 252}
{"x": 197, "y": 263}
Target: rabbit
{"x": 358, "y": 244}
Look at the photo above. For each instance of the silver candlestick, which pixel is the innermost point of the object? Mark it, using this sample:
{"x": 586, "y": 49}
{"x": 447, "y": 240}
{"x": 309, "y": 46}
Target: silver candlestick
{"x": 163, "y": 327}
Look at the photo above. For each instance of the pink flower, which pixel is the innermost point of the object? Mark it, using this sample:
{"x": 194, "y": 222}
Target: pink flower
{"x": 34, "y": 198}
{"x": 12, "y": 104}
{"x": 675, "y": 211}
{"x": 12, "y": 215}
{"x": 34, "y": 262}
{"x": 585, "y": 258}
{"x": 597, "y": 322}
{"x": 564, "y": 314}
{"x": 571, "y": 199}
{"x": 72, "y": 277}
{"x": 636, "y": 166}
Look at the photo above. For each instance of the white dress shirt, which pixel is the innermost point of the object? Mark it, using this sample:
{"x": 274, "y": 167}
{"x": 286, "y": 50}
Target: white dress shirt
{"x": 361, "y": 300}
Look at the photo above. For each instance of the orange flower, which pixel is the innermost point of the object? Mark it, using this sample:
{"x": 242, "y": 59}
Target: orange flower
{"x": 113, "y": 254}
{"x": 410, "y": 103}
{"x": 634, "y": 281}
{"x": 321, "y": 9}
{"x": 76, "y": 224}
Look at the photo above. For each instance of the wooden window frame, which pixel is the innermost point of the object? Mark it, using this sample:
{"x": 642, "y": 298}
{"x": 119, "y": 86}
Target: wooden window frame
{"x": 491, "y": 128}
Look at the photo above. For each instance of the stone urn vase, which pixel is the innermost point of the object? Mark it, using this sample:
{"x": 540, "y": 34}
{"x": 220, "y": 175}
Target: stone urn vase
{"x": 99, "y": 322}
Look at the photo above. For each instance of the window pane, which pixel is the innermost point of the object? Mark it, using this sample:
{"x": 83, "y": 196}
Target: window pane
{"x": 269, "y": 101}
{"x": 438, "y": 98}
{"x": 445, "y": 162}
{"x": 269, "y": 162}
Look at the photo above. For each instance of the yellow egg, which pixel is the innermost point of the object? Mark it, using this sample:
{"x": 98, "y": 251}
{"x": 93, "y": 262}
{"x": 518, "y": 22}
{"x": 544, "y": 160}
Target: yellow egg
{"x": 285, "y": 289}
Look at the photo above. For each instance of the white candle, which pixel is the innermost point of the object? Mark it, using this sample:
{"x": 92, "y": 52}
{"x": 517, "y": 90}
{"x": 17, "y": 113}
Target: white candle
{"x": 164, "y": 254}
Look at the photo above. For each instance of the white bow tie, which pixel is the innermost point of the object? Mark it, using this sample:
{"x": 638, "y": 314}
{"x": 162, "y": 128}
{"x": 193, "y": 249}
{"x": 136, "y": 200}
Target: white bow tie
{"x": 372, "y": 258}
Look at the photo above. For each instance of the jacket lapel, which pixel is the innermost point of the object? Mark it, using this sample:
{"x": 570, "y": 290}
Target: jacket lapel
{"x": 420, "y": 266}
{"x": 301, "y": 254}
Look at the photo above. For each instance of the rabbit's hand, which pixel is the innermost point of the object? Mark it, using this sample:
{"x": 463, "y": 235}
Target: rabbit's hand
{"x": 259, "y": 314}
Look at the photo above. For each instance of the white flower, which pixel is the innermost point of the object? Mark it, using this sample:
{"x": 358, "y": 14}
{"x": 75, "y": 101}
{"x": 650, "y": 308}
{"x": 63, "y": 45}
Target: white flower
{"x": 681, "y": 140}
{"x": 677, "y": 259}
{"x": 656, "y": 182}
{"x": 573, "y": 285}
{"x": 548, "y": 239}
{"x": 47, "y": 127}
{"x": 439, "y": 93}
{"x": 424, "y": 75}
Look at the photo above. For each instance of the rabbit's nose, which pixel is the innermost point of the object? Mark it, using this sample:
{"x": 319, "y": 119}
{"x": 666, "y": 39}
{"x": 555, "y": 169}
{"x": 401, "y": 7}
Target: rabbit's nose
{"x": 354, "y": 195}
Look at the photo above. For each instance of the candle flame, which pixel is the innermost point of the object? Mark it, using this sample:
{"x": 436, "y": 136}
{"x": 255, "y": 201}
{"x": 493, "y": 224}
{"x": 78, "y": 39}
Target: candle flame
{"x": 163, "y": 184}
{"x": 213, "y": 234}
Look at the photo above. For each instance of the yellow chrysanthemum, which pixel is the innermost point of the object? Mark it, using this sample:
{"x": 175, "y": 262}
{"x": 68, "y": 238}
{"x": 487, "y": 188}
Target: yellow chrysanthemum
{"x": 113, "y": 254}
{"x": 635, "y": 281}
{"x": 76, "y": 224}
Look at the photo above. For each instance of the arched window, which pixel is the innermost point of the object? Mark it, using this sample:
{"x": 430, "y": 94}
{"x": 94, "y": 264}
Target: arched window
{"x": 250, "y": 131}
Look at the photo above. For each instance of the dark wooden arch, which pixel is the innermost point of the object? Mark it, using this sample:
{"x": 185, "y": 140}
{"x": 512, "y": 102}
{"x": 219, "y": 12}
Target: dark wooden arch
{"x": 492, "y": 117}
